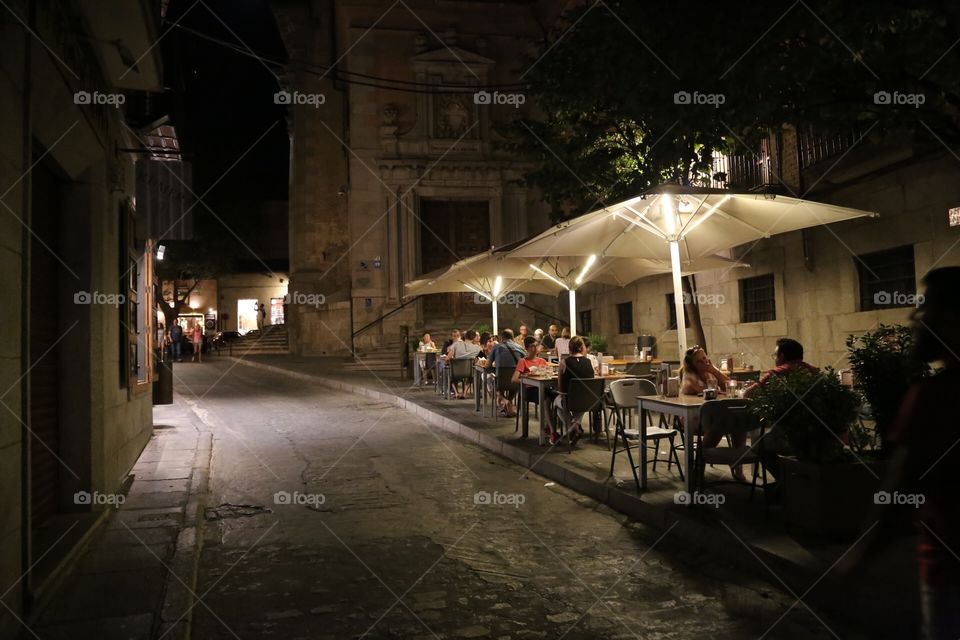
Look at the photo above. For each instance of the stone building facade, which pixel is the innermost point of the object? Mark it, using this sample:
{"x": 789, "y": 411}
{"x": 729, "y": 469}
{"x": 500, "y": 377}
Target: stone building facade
{"x": 822, "y": 284}
{"x": 75, "y": 366}
{"x": 393, "y": 180}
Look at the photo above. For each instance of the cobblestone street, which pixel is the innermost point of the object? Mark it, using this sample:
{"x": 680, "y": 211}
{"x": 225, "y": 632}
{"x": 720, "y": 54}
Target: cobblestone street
{"x": 332, "y": 516}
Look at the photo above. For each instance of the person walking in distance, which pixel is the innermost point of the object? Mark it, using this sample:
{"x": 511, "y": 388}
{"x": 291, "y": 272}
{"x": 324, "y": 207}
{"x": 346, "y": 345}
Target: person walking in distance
{"x": 198, "y": 342}
{"x": 176, "y": 334}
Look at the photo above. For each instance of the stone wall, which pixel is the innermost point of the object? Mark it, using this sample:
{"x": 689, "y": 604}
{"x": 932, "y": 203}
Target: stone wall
{"x": 818, "y": 306}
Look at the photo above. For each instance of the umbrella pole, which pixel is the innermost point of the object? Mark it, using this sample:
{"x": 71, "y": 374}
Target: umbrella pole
{"x": 573, "y": 312}
{"x": 496, "y": 328}
{"x": 678, "y": 298}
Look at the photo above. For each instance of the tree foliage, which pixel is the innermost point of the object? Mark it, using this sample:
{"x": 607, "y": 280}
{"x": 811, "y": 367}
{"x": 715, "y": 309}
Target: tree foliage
{"x": 605, "y": 83}
{"x": 884, "y": 370}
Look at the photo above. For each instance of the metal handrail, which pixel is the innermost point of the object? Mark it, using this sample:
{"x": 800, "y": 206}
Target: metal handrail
{"x": 384, "y": 316}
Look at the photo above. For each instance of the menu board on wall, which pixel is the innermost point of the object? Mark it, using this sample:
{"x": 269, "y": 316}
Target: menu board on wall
{"x": 954, "y": 216}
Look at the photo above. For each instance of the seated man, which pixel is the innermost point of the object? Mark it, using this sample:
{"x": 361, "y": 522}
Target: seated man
{"x": 788, "y": 357}
{"x": 550, "y": 339}
{"x": 505, "y": 354}
{"x": 466, "y": 348}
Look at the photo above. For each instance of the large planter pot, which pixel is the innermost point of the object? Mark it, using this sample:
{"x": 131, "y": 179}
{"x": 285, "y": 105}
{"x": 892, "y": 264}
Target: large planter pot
{"x": 830, "y": 500}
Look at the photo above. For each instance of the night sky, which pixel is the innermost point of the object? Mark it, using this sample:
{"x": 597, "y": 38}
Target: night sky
{"x": 225, "y": 102}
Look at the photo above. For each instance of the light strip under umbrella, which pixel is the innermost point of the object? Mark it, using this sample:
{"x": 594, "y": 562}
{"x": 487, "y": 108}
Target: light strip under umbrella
{"x": 586, "y": 267}
{"x": 695, "y": 222}
{"x": 544, "y": 273}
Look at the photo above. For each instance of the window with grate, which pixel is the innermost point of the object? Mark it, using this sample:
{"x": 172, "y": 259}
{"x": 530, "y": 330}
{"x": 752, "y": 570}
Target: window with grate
{"x": 757, "y": 301}
{"x": 887, "y": 279}
{"x": 585, "y": 323}
{"x": 625, "y": 317}
{"x": 671, "y": 312}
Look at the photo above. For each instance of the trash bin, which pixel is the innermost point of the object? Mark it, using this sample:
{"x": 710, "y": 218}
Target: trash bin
{"x": 163, "y": 381}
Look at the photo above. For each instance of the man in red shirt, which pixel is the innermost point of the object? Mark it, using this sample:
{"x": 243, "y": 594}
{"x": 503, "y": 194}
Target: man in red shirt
{"x": 788, "y": 356}
{"x": 922, "y": 477}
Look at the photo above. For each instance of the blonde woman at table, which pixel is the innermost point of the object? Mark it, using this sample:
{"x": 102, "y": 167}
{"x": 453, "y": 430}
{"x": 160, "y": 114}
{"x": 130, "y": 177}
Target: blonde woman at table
{"x": 562, "y": 344}
{"x": 695, "y": 374}
{"x": 426, "y": 343}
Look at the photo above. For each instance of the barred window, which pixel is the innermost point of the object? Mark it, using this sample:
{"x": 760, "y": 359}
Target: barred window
{"x": 625, "y": 317}
{"x": 757, "y": 300}
{"x": 887, "y": 279}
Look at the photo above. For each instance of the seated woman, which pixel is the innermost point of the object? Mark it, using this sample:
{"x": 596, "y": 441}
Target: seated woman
{"x": 574, "y": 366}
{"x": 562, "y": 344}
{"x": 527, "y": 362}
{"x": 426, "y": 344}
{"x": 695, "y": 373}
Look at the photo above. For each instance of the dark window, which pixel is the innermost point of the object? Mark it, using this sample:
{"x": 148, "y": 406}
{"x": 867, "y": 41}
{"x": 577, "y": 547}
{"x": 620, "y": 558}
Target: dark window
{"x": 671, "y": 312}
{"x": 625, "y": 317}
{"x": 887, "y": 279}
{"x": 757, "y": 303}
{"x": 585, "y": 324}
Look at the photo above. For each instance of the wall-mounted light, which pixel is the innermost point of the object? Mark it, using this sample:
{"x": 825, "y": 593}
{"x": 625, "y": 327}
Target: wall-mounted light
{"x": 161, "y": 249}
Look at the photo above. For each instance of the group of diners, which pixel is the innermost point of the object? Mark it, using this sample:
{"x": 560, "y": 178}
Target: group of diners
{"x": 522, "y": 352}
{"x": 571, "y": 355}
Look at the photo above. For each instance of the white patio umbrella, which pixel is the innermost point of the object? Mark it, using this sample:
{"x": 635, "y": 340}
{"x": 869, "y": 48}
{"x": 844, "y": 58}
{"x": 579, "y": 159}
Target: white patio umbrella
{"x": 572, "y": 272}
{"x": 490, "y": 275}
{"x": 678, "y": 223}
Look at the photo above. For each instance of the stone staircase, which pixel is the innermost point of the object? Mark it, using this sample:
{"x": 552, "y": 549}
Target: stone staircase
{"x": 382, "y": 359}
{"x": 273, "y": 340}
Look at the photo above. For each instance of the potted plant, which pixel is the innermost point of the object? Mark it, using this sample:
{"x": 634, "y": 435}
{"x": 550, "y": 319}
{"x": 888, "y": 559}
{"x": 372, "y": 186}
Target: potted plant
{"x": 598, "y": 343}
{"x": 826, "y": 489}
{"x": 883, "y": 370}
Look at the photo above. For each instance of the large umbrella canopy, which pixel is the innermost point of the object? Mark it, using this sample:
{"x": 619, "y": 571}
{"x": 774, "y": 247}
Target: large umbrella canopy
{"x": 681, "y": 224}
{"x": 576, "y": 271}
{"x": 490, "y": 274}
{"x": 572, "y": 272}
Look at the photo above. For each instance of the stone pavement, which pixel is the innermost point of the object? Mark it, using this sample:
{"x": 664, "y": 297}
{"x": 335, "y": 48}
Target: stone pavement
{"x": 134, "y": 580}
{"x": 799, "y": 561}
{"x": 333, "y": 516}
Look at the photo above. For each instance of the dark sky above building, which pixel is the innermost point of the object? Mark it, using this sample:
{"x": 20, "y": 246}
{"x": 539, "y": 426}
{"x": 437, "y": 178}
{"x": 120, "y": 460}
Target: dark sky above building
{"x": 225, "y": 102}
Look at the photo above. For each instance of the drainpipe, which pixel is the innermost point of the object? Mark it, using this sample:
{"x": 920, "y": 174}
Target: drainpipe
{"x": 26, "y": 213}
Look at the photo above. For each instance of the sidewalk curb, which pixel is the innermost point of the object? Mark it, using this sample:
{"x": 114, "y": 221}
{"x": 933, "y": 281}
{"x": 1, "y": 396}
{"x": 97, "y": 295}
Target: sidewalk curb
{"x": 179, "y": 601}
{"x": 694, "y": 529}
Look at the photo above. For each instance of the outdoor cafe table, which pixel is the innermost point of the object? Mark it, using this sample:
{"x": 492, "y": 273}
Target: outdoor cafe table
{"x": 541, "y": 384}
{"x": 683, "y": 406}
